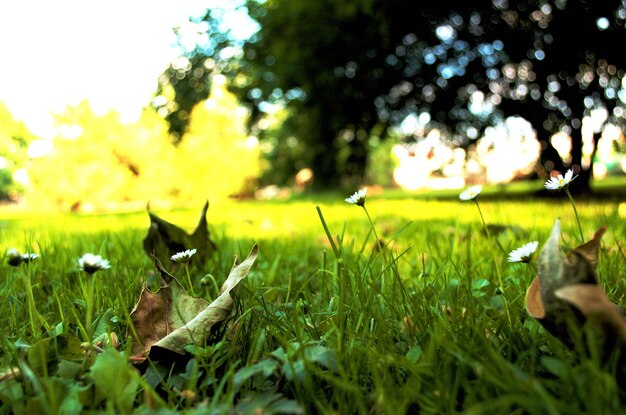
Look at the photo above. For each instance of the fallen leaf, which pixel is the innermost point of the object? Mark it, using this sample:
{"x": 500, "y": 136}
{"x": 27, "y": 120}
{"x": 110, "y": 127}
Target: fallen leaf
{"x": 566, "y": 291}
{"x": 590, "y": 250}
{"x": 170, "y": 319}
{"x": 534, "y": 305}
{"x": 157, "y": 314}
{"x": 165, "y": 239}
{"x": 592, "y": 301}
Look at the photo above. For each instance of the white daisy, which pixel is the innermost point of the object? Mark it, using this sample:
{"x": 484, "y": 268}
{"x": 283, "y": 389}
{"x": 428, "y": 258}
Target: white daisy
{"x": 471, "y": 193}
{"x": 91, "y": 263}
{"x": 29, "y": 256}
{"x": 184, "y": 256}
{"x": 358, "y": 198}
{"x": 560, "y": 182}
{"x": 524, "y": 253}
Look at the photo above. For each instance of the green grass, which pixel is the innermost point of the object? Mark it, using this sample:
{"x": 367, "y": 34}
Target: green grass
{"x": 434, "y": 323}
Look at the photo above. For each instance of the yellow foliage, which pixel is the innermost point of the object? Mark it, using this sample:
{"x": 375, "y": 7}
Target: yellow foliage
{"x": 99, "y": 162}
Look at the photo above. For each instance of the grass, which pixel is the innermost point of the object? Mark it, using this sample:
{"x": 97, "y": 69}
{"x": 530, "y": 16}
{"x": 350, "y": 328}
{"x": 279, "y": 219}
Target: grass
{"x": 433, "y": 323}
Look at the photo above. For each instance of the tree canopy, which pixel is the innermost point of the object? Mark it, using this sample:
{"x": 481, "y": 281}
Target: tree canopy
{"x": 344, "y": 72}
{"x": 100, "y": 162}
{"x": 14, "y": 141}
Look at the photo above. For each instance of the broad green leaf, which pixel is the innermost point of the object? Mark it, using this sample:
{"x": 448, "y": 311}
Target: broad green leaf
{"x": 68, "y": 369}
{"x": 58, "y": 329}
{"x": 265, "y": 367}
{"x": 267, "y": 403}
{"x": 66, "y": 399}
{"x": 414, "y": 354}
{"x": 323, "y": 356}
{"x": 40, "y": 354}
{"x": 115, "y": 379}
{"x": 72, "y": 402}
{"x": 11, "y": 392}
{"x": 555, "y": 366}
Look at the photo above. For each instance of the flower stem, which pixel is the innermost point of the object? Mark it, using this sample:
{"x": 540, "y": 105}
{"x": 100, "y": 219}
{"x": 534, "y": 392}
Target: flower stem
{"x": 580, "y": 229}
{"x": 189, "y": 278}
{"x": 377, "y": 243}
{"x": 32, "y": 311}
{"x": 495, "y": 261}
{"x": 90, "y": 307}
{"x": 371, "y": 223}
{"x": 341, "y": 320}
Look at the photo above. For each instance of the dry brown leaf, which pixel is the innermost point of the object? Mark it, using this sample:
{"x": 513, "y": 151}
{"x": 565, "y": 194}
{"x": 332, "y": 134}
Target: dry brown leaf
{"x": 170, "y": 319}
{"x": 157, "y": 314}
{"x": 534, "y": 305}
{"x": 590, "y": 249}
{"x": 594, "y": 304}
{"x": 569, "y": 293}
{"x": 165, "y": 239}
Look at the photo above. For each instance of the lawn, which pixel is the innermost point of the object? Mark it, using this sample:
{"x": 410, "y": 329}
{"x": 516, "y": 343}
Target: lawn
{"x": 432, "y": 322}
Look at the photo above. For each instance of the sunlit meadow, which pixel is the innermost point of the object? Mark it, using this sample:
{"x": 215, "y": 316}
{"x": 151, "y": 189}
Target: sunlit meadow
{"x": 430, "y": 318}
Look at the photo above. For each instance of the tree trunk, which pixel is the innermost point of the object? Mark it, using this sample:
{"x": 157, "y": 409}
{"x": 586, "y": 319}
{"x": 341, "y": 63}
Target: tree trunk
{"x": 324, "y": 152}
{"x": 549, "y": 157}
{"x": 324, "y": 166}
{"x": 357, "y": 160}
{"x": 582, "y": 183}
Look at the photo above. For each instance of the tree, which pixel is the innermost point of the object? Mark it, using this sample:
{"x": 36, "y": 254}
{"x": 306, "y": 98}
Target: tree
{"x": 551, "y": 62}
{"x": 14, "y": 141}
{"x": 100, "y": 162}
{"x": 347, "y": 71}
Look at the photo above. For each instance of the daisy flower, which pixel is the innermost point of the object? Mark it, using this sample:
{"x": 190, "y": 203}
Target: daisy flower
{"x": 471, "y": 193}
{"x": 184, "y": 256}
{"x": 358, "y": 198}
{"x": 91, "y": 263}
{"x": 14, "y": 257}
{"x": 523, "y": 254}
{"x": 560, "y": 182}
{"x": 29, "y": 256}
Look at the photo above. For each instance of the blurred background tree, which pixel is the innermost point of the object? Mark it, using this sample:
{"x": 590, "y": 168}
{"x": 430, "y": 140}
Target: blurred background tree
{"x": 14, "y": 141}
{"x": 99, "y": 162}
{"x": 343, "y": 73}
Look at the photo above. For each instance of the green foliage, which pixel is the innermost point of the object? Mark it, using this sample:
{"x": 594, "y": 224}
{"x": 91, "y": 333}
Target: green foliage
{"x": 115, "y": 380}
{"x": 14, "y": 141}
{"x": 349, "y": 70}
{"x": 315, "y": 331}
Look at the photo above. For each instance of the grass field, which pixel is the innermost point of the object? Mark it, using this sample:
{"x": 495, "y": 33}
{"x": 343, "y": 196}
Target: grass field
{"x": 432, "y": 323}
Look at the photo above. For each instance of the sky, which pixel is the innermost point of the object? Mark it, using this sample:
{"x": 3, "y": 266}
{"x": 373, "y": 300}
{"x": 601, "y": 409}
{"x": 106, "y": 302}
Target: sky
{"x": 58, "y": 53}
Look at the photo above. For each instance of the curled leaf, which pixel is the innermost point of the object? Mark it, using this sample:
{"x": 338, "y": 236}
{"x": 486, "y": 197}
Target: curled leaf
{"x": 534, "y": 304}
{"x": 568, "y": 291}
{"x": 165, "y": 239}
{"x": 196, "y": 330}
{"x": 170, "y": 319}
{"x": 551, "y": 262}
{"x": 157, "y": 314}
{"x": 594, "y": 304}
{"x": 590, "y": 250}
